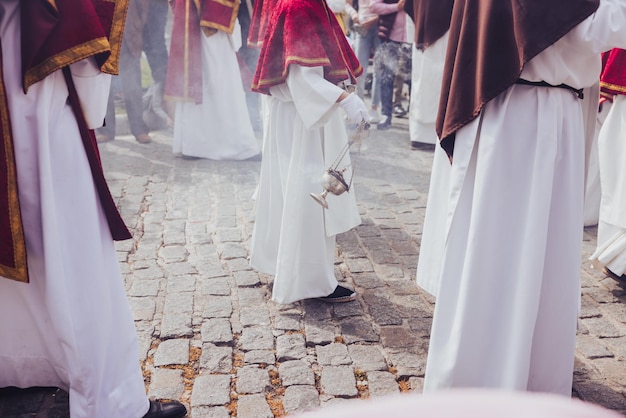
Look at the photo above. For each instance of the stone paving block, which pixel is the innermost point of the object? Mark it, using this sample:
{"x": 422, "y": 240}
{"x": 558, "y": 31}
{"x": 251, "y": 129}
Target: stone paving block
{"x": 389, "y": 271}
{"x": 252, "y": 379}
{"x": 317, "y": 311}
{"x": 343, "y": 310}
{"x": 617, "y": 346}
{"x": 183, "y": 268}
{"x": 211, "y": 390}
{"x": 229, "y": 251}
{"x": 591, "y": 348}
{"x": 300, "y": 398}
{"x": 256, "y": 338}
{"x": 407, "y": 364}
{"x": 176, "y": 284}
{"x": 288, "y": 322}
{"x": 367, "y": 280}
{"x": 144, "y": 288}
{"x": 296, "y": 372}
{"x": 358, "y": 330}
{"x": 290, "y": 347}
{"x": 166, "y": 384}
{"x": 397, "y": 337}
{"x": 381, "y": 384}
{"x": 359, "y": 265}
{"x": 149, "y": 273}
{"x": 176, "y": 325}
{"x": 217, "y": 330}
{"x": 602, "y": 328}
{"x": 333, "y": 355}
{"x": 367, "y": 357}
{"x": 238, "y": 264}
{"x": 259, "y": 357}
{"x": 257, "y": 315}
{"x": 210, "y": 412}
{"x": 247, "y": 278}
{"x": 383, "y": 311}
{"x": 251, "y": 296}
{"x": 319, "y": 332}
{"x": 338, "y": 381}
{"x": 172, "y": 352}
{"x": 216, "y": 286}
{"x": 217, "y": 307}
{"x": 143, "y": 308}
{"x": 253, "y": 406}
{"x": 178, "y": 303}
{"x": 216, "y": 359}
{"x": 210, "y": 270}
{"x": 173, "y": 254}
{"x": 229, "y": 235}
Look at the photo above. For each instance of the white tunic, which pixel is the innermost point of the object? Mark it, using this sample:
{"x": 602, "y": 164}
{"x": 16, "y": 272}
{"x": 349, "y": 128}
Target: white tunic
{"x": 611, "y": 249}
{"x": 219, "y": 128}
{"x": 71, "y": 326}
{"x": 427, "y": 73}
{"x": 508, "y": 295}
{"x": 294, "y": 236}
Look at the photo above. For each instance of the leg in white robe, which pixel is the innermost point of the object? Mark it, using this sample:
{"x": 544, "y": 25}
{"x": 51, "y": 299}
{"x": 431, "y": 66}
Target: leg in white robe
{"x": 219, "y": 128}
{"x": 427, "y": 73}
{"x": 611, "y": 247}
{"x": 507, "y": 302}
{"x": 71, "y": 326}
{"x": 294, "y": 236}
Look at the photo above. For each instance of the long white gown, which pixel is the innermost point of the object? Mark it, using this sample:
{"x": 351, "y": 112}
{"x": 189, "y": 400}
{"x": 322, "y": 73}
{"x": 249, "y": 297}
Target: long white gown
{"x": 611, "y": 247}
{"x": 219, "y": 128}
{"x": 71, "y": 326}
{"x": 426, "y": 75}
{"x": 509, "y": 287}
{"x": 294, "y": 236}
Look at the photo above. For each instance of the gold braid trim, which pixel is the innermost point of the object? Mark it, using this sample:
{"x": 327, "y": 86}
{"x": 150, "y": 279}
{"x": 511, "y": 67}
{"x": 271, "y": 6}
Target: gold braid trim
{"x": 111, "y": 66}
{"x": 65, "y": 58}
{"x": 20, "y": 270}
{"x": 614, "y": 87}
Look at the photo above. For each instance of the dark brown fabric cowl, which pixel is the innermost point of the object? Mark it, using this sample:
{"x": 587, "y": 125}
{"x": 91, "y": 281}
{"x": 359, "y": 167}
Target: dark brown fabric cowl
{"x": 490, "y": 42}
{"x": 431, "y": 18}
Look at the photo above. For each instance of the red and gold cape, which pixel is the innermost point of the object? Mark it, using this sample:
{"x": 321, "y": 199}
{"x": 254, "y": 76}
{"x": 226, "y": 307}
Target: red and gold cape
{"x": 258, "y": 21}
{"x": 613, "y": 78}
{"x": 192, "y": 18}
{"x": 55, "y": 34}
{"x": 306, "y": 33}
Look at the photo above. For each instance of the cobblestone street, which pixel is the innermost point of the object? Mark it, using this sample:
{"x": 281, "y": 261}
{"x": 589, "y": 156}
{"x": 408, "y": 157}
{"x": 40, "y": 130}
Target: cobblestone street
{"x": 210, "y": 337}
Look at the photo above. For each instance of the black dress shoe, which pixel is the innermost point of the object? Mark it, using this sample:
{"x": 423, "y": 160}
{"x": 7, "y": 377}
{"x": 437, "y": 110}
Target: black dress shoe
{"x": 162, "y": 409}
{"x": 339, "y": 295}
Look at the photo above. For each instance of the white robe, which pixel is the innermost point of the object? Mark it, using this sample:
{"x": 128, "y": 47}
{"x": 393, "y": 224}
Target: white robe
{"x": 219, "y": 128}
{"x": 71, "y": 326}
{"x": 508, "y": 295}
{"x": 427, "y": 73}
{"x": 294, "y": 236}
{"x": 611, "y": 247}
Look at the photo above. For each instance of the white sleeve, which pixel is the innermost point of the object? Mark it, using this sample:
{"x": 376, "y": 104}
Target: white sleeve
{"x": 93, "y": 88}
{"x": 606, "y": 28}
{"x": 315, "y": 98}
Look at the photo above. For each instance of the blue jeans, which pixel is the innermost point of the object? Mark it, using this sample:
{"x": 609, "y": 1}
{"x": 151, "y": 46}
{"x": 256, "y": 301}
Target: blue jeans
{"x": 385, "y": 68}
{"x": 365, "y": 45}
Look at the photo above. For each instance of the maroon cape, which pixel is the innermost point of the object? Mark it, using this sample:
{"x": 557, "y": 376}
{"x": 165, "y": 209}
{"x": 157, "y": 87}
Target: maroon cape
{"x": 490, "y": 42}
{"x": 613, "y": 78}
{"x": 306, "y": 33}
{"x": 431, "y": 18}
{"x": 55, "y": 34}
{"x": 258, "y": 21}
{"x": 191, "y": 19}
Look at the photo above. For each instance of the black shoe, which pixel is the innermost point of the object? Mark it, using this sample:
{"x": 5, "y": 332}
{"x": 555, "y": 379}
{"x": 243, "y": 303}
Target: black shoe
{"x": 341, "y": 294}
{"x": 621, "y": 279}
{"x": 385, "y": 123}
{"x": 415, "y": 145}
{"x": 162, "y": 409}
{"x": 399, "y": 111}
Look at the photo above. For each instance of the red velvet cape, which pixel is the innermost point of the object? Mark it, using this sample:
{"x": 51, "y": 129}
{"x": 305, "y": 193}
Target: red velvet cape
{"x": 55, "y": 34}
{"x": 258, "y": 21}
{"x": 490, "y": 42}
{"x": 191, "y": 19}
{"x": 613, "y": 78}
{"x": 306, "y": 33}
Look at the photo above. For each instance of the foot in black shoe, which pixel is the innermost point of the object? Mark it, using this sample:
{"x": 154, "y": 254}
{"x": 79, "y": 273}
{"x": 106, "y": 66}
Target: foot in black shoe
{"x": 163, "y": 409}
{"x": 621, "y": 279}
{"x": 341, "y": 294}
{"x": 384, "y": 123}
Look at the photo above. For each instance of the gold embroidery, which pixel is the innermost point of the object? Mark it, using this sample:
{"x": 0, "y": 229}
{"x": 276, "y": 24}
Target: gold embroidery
{"x": 614, "y": 87}
{"x": 19, "y": 271}
{"x": 111, "y": 66}
{"x": 64, "y": 59}
{"x": 231, "y": 25}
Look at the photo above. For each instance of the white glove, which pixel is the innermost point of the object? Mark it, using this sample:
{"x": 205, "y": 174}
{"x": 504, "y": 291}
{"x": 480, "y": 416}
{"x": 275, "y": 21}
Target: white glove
{"x": 355, "y": 108}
